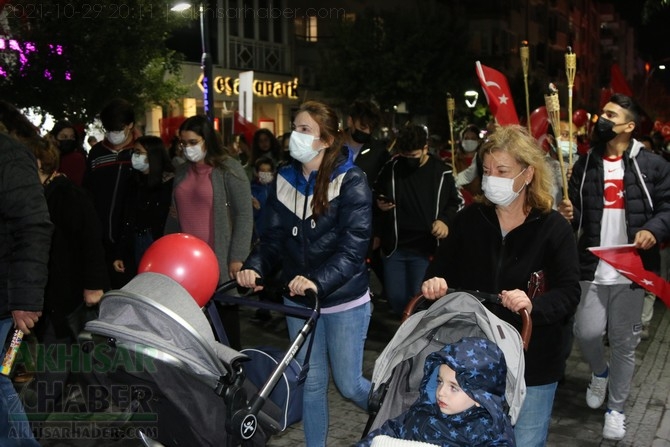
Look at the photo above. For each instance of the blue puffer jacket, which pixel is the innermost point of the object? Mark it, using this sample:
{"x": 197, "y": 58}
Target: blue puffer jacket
{"x": 329, "y": 250}
{"x": 647, "y": 196}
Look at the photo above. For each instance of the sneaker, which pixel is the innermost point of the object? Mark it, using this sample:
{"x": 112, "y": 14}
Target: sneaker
{"x": 615, "y": 425}
{"x": 595, "y": 393}
{"x": 644, "y": 335}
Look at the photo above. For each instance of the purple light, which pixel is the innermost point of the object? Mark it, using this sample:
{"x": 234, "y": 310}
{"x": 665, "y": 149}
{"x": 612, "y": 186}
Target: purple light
{"x": 23, "y": 50}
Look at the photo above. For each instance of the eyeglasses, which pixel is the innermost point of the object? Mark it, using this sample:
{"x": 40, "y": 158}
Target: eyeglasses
{"x": 185, "y": 143}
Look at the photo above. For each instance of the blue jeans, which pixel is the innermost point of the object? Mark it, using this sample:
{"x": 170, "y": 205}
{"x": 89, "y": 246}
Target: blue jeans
{"x": 14, "y": 427}
{"x": 532, "y": 424}
{"x": 340, "y": 339}
{"x": 403, "y": 274}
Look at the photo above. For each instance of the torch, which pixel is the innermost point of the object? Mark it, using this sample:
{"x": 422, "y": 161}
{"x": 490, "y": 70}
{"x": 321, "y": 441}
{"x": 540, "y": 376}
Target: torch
{"x": 451, "y": 107}
{"x": 525, "y": 60}
{"x": 554, "y": 112}
{"x": 570, "y": 69}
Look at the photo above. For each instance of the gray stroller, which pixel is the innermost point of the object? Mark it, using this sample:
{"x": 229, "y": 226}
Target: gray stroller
{"x": 399, "y": 368}
{"x": 154, "y": 342}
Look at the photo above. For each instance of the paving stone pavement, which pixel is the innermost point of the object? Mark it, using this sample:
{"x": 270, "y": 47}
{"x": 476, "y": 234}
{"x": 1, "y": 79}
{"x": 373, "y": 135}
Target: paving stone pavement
{"x": 573, "y": 423}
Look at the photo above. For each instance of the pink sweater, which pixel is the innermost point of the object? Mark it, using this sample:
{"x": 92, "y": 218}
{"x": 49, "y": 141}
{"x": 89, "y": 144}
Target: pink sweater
{"x": 194, "y": 199}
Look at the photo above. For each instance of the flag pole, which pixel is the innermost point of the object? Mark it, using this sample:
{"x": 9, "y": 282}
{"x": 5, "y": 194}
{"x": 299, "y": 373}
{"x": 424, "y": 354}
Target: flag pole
{"x": 570, "y": 70}
{"x": 554, "y": 112}
{"x": 525, "y": 62}
{"x": 451, "y": 107}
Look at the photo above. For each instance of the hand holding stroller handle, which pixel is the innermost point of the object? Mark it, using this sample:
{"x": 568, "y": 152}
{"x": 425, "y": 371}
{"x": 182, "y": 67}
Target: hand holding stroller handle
{"x": 419, "y": 302}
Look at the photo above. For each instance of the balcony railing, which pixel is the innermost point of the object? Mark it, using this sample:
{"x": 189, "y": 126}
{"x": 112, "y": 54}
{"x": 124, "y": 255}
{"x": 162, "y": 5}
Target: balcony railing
{"x": 246, "y": 54}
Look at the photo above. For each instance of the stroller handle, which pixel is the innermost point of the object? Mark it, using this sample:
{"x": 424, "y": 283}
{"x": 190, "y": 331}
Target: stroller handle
{"x": 526, "y": 320}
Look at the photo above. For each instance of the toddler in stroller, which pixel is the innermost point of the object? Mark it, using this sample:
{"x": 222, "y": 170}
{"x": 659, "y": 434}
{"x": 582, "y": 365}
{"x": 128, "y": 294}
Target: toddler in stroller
{"x": 399, "y": 370}
{"x": 461, "y": 399}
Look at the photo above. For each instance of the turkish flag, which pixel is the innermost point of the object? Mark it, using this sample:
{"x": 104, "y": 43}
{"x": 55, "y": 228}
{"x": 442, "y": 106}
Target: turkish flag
{"x": 498, "y": 95}
{"x": 618, "y": 81}
{"x": 626, "y": 259}
{"x": 247, "y": 128}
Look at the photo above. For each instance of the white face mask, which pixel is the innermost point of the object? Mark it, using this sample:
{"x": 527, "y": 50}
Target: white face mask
{"x": 500, "y": 190}
{"x": 470, "y": 145}
{"x": 300, "y": 147}
{"x": 140, "y": 162}
{"x": 116, "y": 137}
{"x": 265, "y": 177}
{"x": 565, "y": 147}
{"x": 194, "y": 153}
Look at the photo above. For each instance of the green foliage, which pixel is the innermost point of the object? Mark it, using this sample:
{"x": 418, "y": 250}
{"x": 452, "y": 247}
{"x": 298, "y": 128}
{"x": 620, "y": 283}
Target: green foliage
{"x": 414, "y": 55}
{"x": 109, "y": 48}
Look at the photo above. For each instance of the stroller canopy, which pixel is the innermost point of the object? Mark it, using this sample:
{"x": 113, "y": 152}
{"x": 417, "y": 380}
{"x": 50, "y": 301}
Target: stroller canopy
{"x": 155, "y": 311}
{"x": 400, "y": 366}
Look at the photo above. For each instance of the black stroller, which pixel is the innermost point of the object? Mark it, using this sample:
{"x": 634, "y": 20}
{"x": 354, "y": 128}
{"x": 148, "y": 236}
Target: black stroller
{"x": 154, "y": 342}
{"x": 399, "y": 368}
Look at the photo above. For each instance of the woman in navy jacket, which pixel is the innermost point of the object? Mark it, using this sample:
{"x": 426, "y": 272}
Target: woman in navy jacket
{"x": 318, "y": 225}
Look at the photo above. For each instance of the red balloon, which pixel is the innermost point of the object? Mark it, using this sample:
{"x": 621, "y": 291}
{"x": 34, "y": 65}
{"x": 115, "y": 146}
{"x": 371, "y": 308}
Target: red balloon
{"x": 539, "y": 122}
{"x": 186, "y": 259}
{"x": 579, "y": 117}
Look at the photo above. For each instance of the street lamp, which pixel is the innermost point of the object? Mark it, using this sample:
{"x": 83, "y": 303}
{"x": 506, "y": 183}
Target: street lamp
{"x": 205, "y": 60}
{"x": 471, "y": 97}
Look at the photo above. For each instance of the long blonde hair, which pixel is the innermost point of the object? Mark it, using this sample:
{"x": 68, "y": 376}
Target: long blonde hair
{"x": 517, "y": 142}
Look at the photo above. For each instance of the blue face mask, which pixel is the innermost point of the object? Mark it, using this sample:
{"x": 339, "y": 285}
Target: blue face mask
{"x": 565, "y": 147}
{"x": 300, "y": 147}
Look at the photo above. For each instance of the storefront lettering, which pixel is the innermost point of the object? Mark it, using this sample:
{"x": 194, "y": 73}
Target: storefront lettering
{"x": 229, "y": 86}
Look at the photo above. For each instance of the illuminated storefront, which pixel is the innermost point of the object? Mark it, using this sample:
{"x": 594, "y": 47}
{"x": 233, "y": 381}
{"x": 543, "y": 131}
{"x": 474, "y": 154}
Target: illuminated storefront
{"x": 274, "y": 98}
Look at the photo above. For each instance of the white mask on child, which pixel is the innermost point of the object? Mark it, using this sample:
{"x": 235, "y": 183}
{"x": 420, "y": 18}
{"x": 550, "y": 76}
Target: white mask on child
{"x": 265, "y": 177}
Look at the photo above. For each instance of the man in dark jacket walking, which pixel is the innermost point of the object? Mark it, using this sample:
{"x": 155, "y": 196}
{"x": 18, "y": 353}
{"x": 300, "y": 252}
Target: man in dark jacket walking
{"x": 25, "y": 237}
{"x": 618, "y": 194}
{"x": 107, "y": 177}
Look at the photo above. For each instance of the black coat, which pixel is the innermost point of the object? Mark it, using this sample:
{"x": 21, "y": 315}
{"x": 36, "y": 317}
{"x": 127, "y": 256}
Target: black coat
{"x": 438, "y": 197}
{"x": 76, "y": 259}
{"x": 25, "y": 230}
{"x": 475, "y": 256}
{"x": 145, "y": 210}
{"x": 371, "y": 158}
{"x": 643, "y": 211}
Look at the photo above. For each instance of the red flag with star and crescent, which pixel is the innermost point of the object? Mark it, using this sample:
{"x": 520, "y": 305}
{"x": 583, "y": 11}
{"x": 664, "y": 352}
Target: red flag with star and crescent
{"x": 498, "y": 95}
{"x": 626, "y": 259}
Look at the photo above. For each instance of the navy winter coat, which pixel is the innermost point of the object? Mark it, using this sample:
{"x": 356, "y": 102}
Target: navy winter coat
{"x": 329, "y": 250}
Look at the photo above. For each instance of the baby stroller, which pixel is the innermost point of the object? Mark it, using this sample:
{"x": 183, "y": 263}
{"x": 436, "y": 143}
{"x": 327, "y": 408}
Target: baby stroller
{"x": 154, "y": 343}
{"x": 399, "y": 368}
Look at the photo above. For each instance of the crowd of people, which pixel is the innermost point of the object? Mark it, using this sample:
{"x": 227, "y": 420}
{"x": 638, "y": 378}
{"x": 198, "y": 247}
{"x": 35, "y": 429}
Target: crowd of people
{"x": 323, "y": 208}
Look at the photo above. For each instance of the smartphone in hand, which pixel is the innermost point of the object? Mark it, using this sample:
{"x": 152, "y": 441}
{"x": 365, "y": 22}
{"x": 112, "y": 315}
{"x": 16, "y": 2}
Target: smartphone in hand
{"x": 383, "y": 198}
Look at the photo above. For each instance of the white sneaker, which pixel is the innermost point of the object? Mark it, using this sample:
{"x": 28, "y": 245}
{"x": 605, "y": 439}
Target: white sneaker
{"x": 615, "y": 425}
{"x": 595, "y": 393}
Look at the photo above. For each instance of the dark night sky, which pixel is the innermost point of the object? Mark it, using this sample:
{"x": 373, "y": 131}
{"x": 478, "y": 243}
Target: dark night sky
{"x": 652, "y": 36}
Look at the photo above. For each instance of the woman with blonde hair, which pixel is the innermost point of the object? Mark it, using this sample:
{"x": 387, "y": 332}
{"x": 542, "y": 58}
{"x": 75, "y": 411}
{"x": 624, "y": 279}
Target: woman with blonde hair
{"x": 318, "y": 226}
{"x": 498, "y": 244}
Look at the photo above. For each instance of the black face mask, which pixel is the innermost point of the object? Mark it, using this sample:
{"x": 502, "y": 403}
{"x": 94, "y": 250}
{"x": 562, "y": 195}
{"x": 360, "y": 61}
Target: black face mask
{"x": 605, "y": 130}
{"x": 408, "y": 165}
{"x": 67, "y": 146}
{"x": 360, "y": 137}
